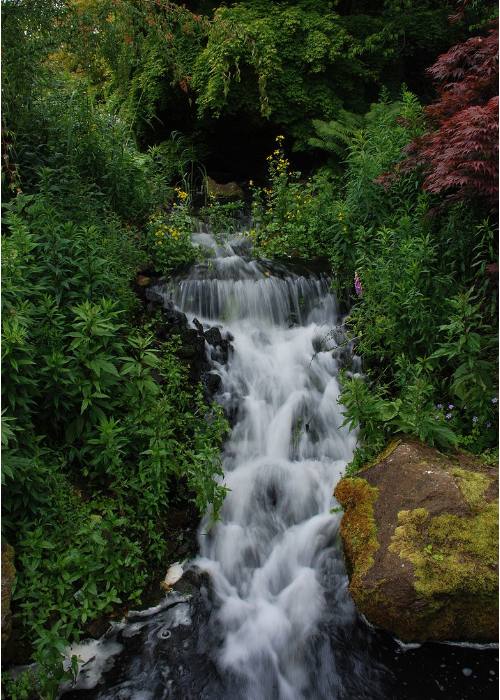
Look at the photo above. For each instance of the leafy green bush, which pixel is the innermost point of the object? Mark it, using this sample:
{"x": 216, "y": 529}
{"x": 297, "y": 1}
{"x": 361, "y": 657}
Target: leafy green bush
{"x": 420, "y": 316}
{"x": 222, "y": 218}
{"x": 294, "y": 62}
{"x": 422, "y": 319}
{"x": 292, "y": 218}
{"x": 168, "y": 235}
{"x": 100, "y": 424}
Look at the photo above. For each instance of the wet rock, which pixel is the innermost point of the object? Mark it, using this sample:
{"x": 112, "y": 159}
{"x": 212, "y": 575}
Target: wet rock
{"x": 192, "y": 341}
{"x": 225, "y": 348}
{"x": 213, "y": 336}
{"x": 198, "y": 325}
{"x": 221, "y": 345}
{"x": 153, "y": 296}
{"x": 174, "y": 318}
{"x": 193, "y": 345}
{"x": 212, "y": 382}
{"x": 8, "y": 579}
{"x": 165, "y": 652}
{"x": 420, "y": 535}
{"x": 142, "y": 284}
{"x": 97, "y": 628}
{"x": 143, "y": 280}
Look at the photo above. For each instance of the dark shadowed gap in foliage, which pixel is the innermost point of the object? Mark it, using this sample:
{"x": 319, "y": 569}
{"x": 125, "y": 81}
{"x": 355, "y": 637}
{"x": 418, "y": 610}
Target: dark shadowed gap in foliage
{"x": 232, "y": 148}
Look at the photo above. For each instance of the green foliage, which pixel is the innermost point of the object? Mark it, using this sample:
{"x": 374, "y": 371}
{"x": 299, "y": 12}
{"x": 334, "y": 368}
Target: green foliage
{"x": 336, "y": 136}
{"x": 138, "y": 55}
{"x": 412, "y": 413}
{"x": 424, "y": 323}
{"x": 223, "y": 218}
{"x": 468, "y": 348}
{"x": 21, "y": 687}
{"x": 321, "y": 216}
{"x": 101, "y": 425}
{"x": 168, "y": 236}
{"x": 286, "y": 62}
{"x": 297, "y": 61}
{"x": 424, "y": 320}
{"x": 292, "y": 218}
{"x": 397, "y": 314}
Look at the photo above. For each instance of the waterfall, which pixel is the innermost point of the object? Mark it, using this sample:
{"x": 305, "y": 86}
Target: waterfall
{"x": 273, "y": 555}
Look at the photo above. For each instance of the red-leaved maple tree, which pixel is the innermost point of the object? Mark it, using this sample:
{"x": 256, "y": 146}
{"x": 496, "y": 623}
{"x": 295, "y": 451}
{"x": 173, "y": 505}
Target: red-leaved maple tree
{"x": 459, "y": 155}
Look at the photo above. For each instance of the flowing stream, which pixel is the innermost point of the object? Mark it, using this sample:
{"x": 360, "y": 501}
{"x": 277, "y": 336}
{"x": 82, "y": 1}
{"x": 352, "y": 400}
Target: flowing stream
{"x": 272, "y": 556}
{"x": 277, "y": 622}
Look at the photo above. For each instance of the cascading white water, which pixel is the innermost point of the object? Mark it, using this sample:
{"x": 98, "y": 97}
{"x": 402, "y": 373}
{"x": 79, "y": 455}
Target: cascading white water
{"x": 282, "y": 461}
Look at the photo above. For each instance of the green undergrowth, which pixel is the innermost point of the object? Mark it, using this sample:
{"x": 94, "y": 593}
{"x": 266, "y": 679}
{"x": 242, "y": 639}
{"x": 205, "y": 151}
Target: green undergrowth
{"x": 102, "y": 431}
{"x": 423, "y": 322}
{"x": 101, "y": 428}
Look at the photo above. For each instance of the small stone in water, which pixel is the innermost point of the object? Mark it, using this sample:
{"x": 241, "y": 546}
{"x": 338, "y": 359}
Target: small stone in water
{"x": 172, "y": 576}
{"x": 467, "y": 672}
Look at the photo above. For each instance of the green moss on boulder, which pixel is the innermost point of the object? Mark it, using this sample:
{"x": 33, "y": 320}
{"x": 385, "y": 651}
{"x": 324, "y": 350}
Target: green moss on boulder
{"x": 359, "y": 522}
{"x": 420, "y": 534}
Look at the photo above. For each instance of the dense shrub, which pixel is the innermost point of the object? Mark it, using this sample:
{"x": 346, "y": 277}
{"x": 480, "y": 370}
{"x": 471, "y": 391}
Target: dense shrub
{"x": 94, "y": 443}
{"x": 423, "y": 318}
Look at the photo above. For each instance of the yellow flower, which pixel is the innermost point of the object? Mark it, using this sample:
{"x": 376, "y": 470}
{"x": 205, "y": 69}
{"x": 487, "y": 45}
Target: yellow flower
{"x": 280, "y": 138}
{"x": 181, "y": 194}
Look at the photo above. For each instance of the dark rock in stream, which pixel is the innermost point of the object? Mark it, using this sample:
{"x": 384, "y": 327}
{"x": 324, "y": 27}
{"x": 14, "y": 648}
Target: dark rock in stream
{"x": 198, "y": 325}
{"x": 193, "y": 342}
{"x": 221, "y": 345}
{"x": 212, "y": 381}
{"x": 213, "y": 336}
{"x": 165, "y": 651}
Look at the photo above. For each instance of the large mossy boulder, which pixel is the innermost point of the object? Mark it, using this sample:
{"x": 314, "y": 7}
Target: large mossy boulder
{"x": 420, "y": 535}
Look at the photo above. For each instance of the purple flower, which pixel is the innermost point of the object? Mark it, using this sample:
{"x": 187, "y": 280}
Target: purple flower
{"x": 475, "y": 419}
{"x": 488, "y": 424}
{"x": 448, "y": 416}
{"x": 357, "y": 285}
{"x": 439, "y": 405}
{"x": 450, "y": 406}
{"x": 494, "y": 400}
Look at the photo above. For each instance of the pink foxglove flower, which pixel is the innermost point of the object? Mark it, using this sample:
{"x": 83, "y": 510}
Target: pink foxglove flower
{"x": 357, "y": 285}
